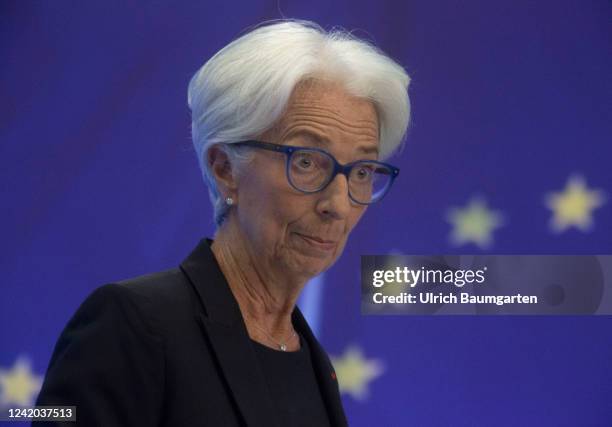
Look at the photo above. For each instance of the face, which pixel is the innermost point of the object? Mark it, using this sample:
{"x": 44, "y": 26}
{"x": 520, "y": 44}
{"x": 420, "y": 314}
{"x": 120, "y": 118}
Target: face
{"x": 284, "y": 227}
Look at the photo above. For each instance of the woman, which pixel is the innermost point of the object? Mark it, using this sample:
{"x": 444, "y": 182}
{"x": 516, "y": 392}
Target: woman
{"x": 289, "y": 123}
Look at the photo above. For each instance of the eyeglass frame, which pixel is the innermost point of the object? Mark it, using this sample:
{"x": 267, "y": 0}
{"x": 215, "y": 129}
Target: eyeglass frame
{"x": 344, "y": 169}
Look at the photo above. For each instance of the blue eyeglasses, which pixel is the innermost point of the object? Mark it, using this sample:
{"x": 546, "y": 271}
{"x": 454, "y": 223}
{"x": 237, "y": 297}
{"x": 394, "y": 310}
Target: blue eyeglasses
{"x": 310, "y": 170}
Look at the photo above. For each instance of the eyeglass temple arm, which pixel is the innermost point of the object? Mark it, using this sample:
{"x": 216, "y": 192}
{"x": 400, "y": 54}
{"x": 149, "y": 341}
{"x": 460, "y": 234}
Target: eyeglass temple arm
{"x": 264, "y": 145}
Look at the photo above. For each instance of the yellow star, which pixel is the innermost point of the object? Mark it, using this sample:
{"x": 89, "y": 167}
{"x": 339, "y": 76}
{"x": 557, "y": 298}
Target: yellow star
{"x": 474, "y": 223}
{"x": 574, "y": 205}
{"x": 355, "y": 372}
{"x": 19, "y": 385}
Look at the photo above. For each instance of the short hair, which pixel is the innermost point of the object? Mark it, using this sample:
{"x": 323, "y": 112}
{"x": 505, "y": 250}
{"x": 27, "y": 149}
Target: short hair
{"x": 244, "y": 88}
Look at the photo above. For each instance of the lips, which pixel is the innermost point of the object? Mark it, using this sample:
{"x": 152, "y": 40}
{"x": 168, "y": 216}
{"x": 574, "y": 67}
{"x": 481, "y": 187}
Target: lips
{"x": 317, "y": 242}
{"x": 316, "y": 239}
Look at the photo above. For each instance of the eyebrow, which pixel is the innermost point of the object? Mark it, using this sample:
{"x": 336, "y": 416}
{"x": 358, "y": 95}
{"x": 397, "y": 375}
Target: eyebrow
{"x": 320, "y": 140}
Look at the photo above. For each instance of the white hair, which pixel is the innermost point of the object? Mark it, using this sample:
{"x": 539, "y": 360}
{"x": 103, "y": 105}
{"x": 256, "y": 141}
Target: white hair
{"x": 244, "y": 88}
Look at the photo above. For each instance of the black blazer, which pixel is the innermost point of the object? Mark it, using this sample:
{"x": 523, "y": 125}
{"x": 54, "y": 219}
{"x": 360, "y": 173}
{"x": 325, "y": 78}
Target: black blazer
{"x": 170, "y": 349}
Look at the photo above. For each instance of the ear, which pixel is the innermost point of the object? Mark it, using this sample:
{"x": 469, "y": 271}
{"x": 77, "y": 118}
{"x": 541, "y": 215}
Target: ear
{"x": 222, "y": 170}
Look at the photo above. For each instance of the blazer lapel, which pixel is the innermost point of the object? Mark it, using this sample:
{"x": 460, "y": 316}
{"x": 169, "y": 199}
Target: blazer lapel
{"x": 223, "y": 325}
{"x": 326, "y": 375}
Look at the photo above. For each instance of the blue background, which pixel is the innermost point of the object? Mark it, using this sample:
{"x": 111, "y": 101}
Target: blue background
{"x": 100, "y": 183}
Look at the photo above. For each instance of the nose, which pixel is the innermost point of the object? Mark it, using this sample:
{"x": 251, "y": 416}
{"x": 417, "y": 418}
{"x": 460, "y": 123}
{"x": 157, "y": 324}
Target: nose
{"x": 334, "y": 201}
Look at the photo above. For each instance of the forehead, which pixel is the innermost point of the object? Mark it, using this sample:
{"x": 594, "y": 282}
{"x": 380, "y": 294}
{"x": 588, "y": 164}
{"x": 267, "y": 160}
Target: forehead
{"x": 330, "y": 95}
{"x": 329, "y": 113}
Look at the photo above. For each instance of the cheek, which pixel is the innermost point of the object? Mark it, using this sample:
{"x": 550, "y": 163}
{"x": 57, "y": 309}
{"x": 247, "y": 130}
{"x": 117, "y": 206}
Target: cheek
{"x": 267, "y": 204}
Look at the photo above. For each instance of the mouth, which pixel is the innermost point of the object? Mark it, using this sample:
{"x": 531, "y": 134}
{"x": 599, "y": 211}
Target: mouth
{"x": 318, "y": 243}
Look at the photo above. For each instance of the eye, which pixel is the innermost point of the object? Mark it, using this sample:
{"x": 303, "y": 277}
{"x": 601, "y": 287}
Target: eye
{"x": 304, "y": 161}
{"x": 364, "y": 173}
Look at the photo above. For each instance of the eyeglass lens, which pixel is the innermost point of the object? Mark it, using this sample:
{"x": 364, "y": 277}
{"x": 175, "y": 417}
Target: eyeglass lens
{"x": 309, "y": 171}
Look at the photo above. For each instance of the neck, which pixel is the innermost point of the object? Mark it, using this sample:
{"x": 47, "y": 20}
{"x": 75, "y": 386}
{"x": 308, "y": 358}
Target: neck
{"x": 266, "y": 297}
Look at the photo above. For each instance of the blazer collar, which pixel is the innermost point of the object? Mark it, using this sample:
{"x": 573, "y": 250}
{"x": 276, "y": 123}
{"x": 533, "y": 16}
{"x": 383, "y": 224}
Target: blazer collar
{"x": 224, "y": 326}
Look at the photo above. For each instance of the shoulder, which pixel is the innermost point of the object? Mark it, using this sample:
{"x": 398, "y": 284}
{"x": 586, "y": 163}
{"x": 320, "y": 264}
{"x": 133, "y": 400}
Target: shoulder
{"x": 165, "y": 288}
{"x": 109, "y": 360}
{"x": 134, "y": 314}
{"x": 147, "y": 302}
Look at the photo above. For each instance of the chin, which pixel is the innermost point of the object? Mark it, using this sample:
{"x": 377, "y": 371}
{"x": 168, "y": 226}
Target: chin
{"x": 310, "y": 267}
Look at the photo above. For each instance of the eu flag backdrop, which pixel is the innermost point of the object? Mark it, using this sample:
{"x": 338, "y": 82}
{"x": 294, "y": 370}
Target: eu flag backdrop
{"x": 509, "y": 151}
